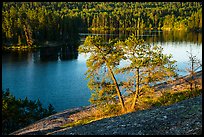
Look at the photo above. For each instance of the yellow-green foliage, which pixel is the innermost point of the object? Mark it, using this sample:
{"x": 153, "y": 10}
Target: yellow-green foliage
{"x": 79, "y": 122}
{"x": 100, "y": 112}
{"x": 144, "y": 102}
{"x": 169, "y": 98}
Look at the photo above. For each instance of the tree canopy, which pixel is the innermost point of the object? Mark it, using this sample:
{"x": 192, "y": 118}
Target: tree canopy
{"x": 31, "y": 22}
{"x": 147, "y": 63}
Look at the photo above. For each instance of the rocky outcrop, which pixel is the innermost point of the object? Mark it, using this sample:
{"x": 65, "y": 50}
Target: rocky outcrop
{"x": 183, "y": 118}
{"x": 52, "y": 123}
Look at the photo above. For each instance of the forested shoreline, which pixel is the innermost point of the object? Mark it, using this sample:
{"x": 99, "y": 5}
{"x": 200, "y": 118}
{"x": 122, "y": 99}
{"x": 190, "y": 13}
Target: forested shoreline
{"x": 33, "y": 23}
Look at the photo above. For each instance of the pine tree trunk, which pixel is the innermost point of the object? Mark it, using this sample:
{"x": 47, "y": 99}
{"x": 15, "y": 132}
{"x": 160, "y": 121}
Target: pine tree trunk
{"x": 28, "y": 36}
{"x": 192, "y": 74}
{"x": 115, "y": 83}
{"x": 137, "y": 89}
{"x": 117, "y": 88}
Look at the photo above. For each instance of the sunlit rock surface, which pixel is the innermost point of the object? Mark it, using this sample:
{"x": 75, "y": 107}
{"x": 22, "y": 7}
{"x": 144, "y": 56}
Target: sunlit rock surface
{"x": 183, "y": 118}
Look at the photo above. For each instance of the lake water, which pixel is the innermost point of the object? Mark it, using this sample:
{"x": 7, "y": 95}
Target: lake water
{"x": 61, "y": 81}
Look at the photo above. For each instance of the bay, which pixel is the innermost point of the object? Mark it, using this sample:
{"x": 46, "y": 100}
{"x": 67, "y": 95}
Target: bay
{"x": 59, "y": 80}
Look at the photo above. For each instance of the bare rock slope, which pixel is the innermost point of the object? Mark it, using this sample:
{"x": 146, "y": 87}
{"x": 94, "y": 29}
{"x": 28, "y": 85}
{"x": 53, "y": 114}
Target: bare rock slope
{"x": 183, "y": 118}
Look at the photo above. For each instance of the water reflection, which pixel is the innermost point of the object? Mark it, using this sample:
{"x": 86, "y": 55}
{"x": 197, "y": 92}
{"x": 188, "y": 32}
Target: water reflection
{"x": 176, "y": 43}
{"x": 70, "y": 52}
{"x": 48, "y": 54}
{"x": 66, "y": 53}
{"x": 56, "y": 53}
{"x": 150, "y": 36}
{"x": 43, "y": 54}
{"x": 15, "y": 56}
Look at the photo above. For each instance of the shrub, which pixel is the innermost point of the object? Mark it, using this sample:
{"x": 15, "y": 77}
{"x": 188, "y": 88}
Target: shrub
{"x": 169, "y": 98}
{"x": 18, "y": 113}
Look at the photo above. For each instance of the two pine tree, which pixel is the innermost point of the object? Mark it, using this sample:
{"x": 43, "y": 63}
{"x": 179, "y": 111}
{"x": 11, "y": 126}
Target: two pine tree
{"x": 146, "y": 65}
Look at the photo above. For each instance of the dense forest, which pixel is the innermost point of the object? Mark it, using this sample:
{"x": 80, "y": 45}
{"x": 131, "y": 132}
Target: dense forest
{"x": 30, "y": 23}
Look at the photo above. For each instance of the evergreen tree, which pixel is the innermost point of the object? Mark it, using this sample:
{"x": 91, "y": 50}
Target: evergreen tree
{"x": 104, "y": 58}
{"x": 148, "y": 65}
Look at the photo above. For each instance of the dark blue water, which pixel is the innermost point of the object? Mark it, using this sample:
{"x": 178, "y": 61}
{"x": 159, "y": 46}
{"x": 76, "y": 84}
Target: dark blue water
{"x": 62, "y": 82}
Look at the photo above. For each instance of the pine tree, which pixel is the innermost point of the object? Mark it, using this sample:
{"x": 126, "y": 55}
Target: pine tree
{"x": 148, "y": 65}
{"x": 195, "y": 64}
{"x": 104, "y": 57}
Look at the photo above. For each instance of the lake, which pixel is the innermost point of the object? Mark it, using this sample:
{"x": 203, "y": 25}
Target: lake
{"x": 60, "y": 80}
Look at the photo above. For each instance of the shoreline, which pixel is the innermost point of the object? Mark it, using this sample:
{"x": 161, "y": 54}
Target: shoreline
{"x": 54, "y": 123}
{"x": 46, "y": 44}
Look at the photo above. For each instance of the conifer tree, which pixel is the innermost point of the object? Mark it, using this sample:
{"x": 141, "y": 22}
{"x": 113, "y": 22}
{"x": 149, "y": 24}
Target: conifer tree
{"x": 148, "y": 65}
{"x": 104, "y": 58}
